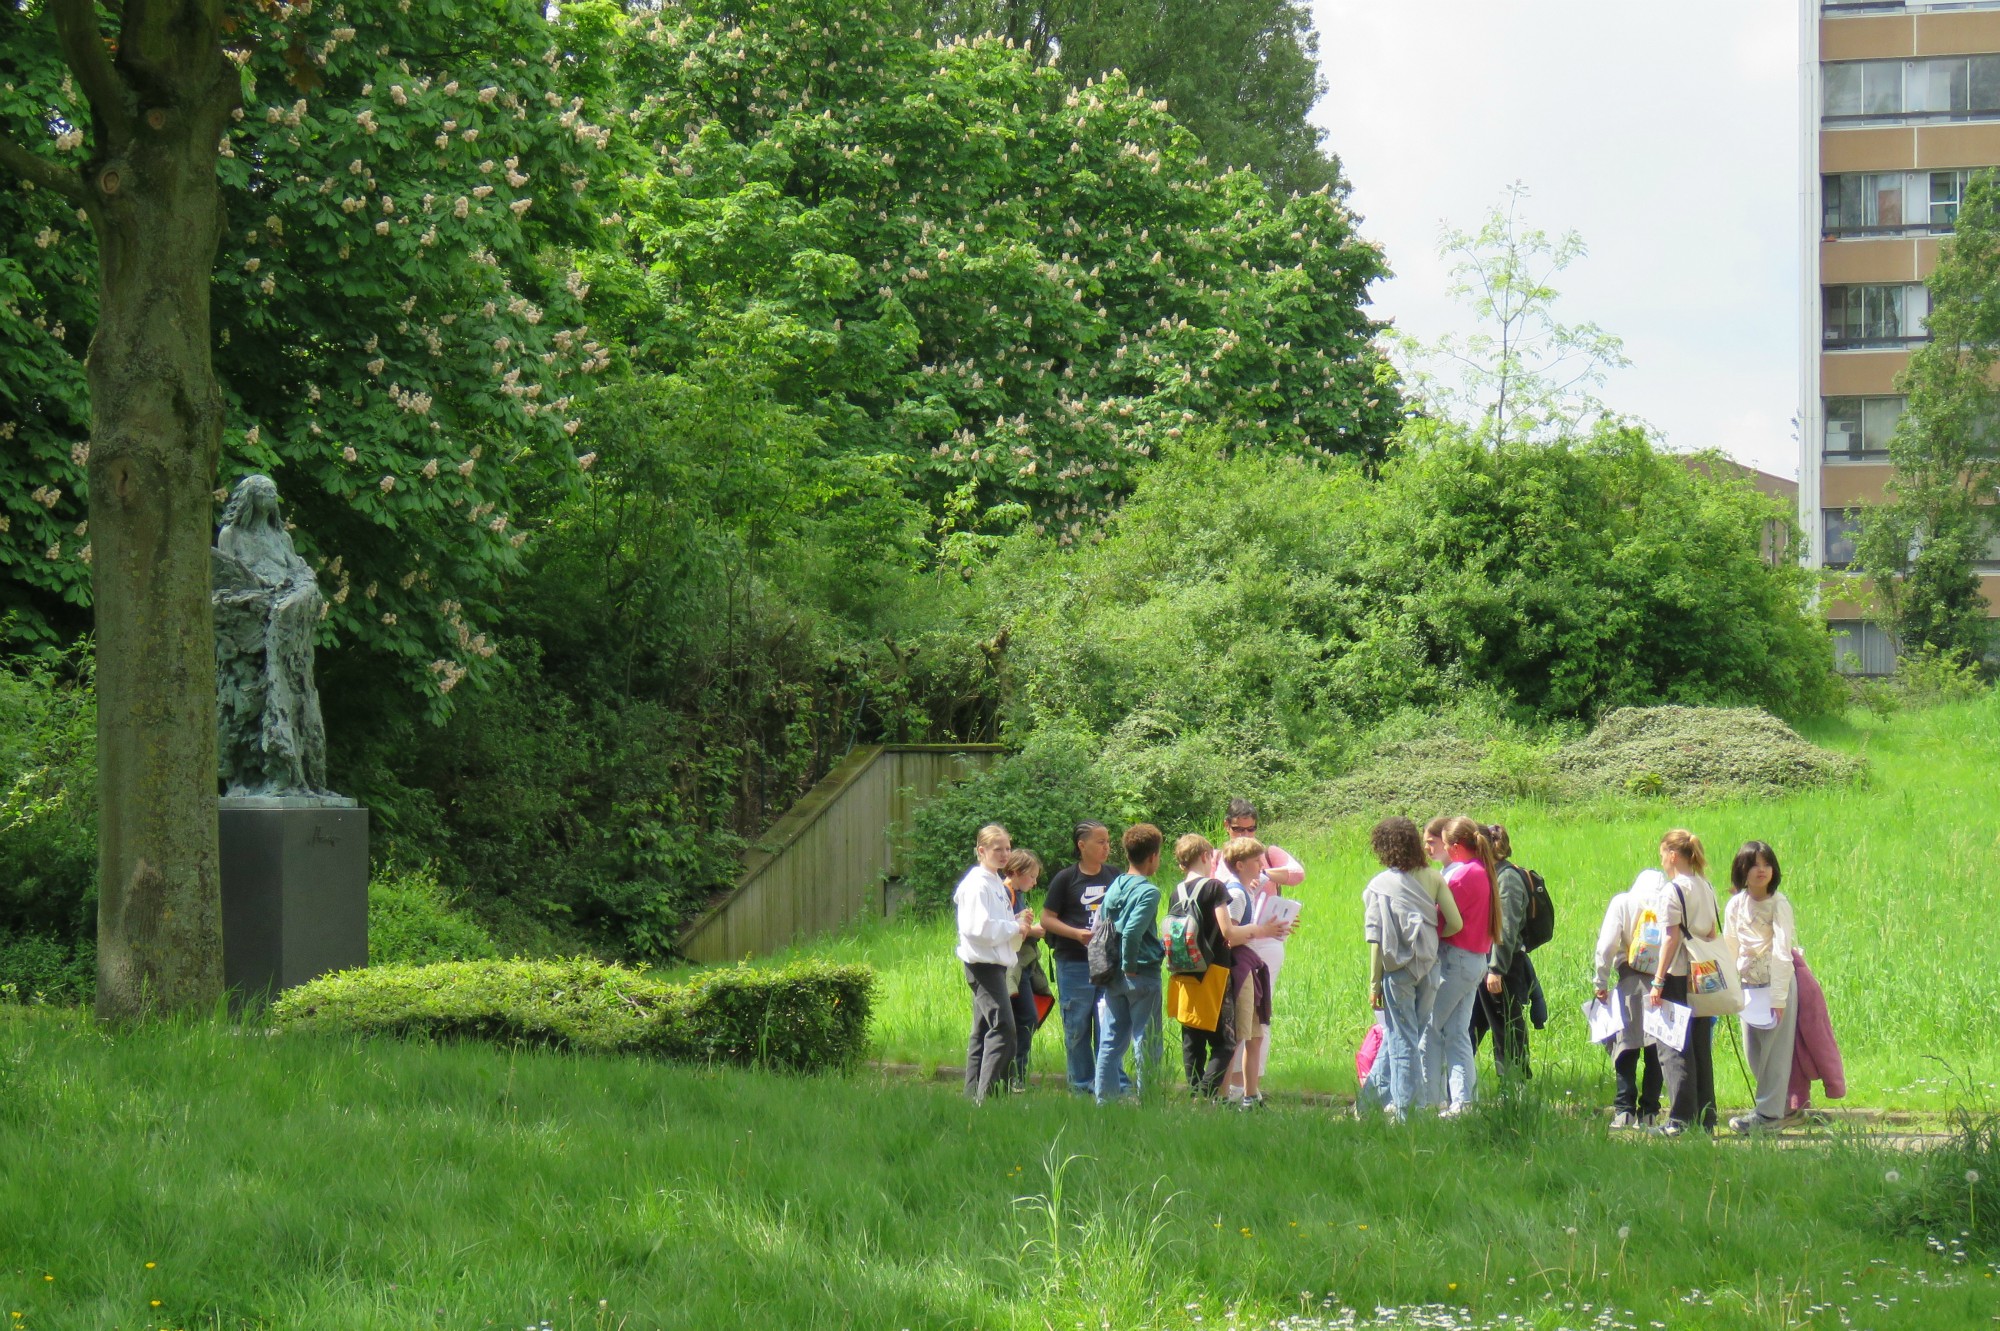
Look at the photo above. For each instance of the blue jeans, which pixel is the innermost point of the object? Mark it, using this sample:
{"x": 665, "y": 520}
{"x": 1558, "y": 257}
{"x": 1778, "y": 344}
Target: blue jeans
{"x": 1406, "y": 1011}
{"x": 1076, "y": 997}
{"x": 1448, "y": 1061}
{"x": 1128, "y": 1017}
{"x": 1374, "y": 1091}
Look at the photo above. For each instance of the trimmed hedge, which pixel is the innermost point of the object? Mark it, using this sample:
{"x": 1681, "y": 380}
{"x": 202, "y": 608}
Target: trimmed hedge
{"x": 806, "y": 1017}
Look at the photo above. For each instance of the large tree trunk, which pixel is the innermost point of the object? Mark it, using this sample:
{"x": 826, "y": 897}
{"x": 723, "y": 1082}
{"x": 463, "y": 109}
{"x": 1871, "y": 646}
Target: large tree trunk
{"x": 160, "y": 97}
{"x": 156, "y": 427}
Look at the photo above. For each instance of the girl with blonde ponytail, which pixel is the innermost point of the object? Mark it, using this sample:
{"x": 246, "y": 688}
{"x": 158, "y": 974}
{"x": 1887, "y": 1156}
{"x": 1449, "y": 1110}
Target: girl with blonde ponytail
{"x": 1684, "y": 902}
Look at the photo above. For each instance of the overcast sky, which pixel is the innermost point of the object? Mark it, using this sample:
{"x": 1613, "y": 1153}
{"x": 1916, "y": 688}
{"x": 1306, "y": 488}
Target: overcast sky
{"x": 1667, "y": 134}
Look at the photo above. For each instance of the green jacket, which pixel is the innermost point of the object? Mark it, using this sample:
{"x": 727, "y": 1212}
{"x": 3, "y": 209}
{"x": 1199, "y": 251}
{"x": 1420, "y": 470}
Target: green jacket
{"x": 1132, "y": 904}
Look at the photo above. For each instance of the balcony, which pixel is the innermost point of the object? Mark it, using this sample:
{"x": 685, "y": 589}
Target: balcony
{"x": 1843, "y": 8}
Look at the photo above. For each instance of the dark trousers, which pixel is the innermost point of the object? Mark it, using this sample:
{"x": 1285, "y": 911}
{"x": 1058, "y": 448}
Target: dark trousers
{"x": 1205, "y": 1055}
{"x": 1024, "y": 1031}
{"x": 1637, "y": 1095}
{"x": 1690, "y": 1073}
{"x": 1506, "y": 1015}
{"x": 990, "y": 1052}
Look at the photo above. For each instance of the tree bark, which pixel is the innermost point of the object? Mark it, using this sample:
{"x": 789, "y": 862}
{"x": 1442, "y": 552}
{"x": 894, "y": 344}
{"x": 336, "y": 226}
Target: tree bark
{"x": 158, "y": 111}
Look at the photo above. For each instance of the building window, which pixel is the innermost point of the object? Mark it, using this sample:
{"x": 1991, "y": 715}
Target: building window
{"x": 1875, "y": 316}
{"x": 1862, "y": 648}
{"x": 1838, "y": 529}
{"x": 1859, "y": 427}
{"x": 1891, "y": 202}
{"x": 1949, "y": 87}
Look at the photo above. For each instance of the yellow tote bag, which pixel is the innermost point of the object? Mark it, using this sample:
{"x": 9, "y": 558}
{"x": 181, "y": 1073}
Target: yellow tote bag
{"x": 1198, "y": 1002}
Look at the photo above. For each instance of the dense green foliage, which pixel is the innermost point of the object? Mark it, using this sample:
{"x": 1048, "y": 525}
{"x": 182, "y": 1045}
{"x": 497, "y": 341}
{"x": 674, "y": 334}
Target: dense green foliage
{"x": 376, "y": 1186}
{"x": 672, "y": 398}
{"x": 413, "y": 921}
{"x": 1920, "y": 551}
{"x": 378, "y": 205}
{"x": 944, "y": 259}
{"x": 1248, "y": 622}
{"x": 1242, "y": 74}
{"x": 807, "y": 1017}
{"x": 48, "y": 828}
{"x": 1039, "y": 795}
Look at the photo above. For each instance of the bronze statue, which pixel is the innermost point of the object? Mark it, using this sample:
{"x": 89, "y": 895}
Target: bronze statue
{"x": 270, "y": 738}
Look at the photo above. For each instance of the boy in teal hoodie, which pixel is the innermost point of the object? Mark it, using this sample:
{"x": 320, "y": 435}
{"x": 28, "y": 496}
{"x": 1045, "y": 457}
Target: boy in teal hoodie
{"x": 1128, "y": 1015}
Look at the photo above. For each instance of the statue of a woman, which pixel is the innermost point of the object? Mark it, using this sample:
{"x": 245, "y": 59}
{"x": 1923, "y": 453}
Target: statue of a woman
{"x": 269, "y": 735}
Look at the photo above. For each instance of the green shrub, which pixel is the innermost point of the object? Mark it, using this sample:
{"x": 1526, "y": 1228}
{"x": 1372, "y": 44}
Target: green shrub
{"x": 806, "y": 1017}
{"x": 412, "y": 919}
{"x": 48, "y": 807}
{"x": 1039, "y": 795}
{"x": 1930, "y": 678}
{"x": 35, "y": 968}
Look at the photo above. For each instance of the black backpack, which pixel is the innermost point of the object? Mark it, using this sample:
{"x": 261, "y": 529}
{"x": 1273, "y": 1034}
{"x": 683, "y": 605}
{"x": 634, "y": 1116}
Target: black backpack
{"x": 1106, "y": 960}
{"x": 1540, "y": 926}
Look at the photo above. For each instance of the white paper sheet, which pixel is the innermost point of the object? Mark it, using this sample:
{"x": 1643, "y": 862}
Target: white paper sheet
{"x": 1667, "y": 1024}
{"x": 1603, "y": 1019}
{"x": 1757, "y": 1009}
{"x": 1283, "y": 909}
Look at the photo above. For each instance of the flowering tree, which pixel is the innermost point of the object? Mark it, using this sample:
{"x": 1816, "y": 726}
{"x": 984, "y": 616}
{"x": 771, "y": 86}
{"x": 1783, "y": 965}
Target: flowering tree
{"x": 389, "y": 345}
{"x": 949, "y": 258}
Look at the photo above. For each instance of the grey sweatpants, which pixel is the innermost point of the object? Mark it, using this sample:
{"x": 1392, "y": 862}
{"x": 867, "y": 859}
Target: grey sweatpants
{"x": 990, "y": 1051}
{"x": 1769, "y": 1054}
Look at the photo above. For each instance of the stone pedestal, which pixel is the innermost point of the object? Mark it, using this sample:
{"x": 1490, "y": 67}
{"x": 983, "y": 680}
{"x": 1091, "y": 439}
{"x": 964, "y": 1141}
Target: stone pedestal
{"x": 294, "y": 891}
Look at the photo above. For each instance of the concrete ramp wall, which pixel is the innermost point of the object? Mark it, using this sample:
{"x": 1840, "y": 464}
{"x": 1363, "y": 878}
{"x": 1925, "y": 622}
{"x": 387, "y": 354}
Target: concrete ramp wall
{"x": 824, "y": 864}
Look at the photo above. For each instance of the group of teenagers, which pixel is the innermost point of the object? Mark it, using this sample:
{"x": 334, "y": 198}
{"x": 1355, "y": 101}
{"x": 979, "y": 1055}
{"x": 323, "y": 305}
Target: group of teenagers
{"x": 1449, "y": 923}
{"x": 1224, "y": 948}
{"x": 1666, "y": 943}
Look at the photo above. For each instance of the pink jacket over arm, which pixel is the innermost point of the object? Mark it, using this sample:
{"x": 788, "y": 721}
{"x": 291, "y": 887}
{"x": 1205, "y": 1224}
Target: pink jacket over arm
{"x": 1815, "y": 1055}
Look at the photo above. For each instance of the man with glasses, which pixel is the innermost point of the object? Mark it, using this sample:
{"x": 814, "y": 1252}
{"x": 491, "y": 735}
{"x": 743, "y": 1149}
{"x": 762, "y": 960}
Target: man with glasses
{"x": 1281, "y": 869}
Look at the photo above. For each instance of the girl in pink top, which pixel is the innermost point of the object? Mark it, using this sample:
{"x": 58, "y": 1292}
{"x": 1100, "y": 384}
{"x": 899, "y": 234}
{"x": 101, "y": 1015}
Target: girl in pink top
{"x": 1448, "y": 1050}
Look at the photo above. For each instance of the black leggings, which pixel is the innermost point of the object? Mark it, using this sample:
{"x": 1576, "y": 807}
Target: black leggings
{"x": 1507, "y": 1017}
{"x": 1637, "y": 1094}
{"x": 1690, "y": 1072}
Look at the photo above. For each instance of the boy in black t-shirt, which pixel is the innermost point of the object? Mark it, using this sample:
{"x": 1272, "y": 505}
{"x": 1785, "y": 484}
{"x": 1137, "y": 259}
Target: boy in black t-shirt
{"x": 1068, "y": 912}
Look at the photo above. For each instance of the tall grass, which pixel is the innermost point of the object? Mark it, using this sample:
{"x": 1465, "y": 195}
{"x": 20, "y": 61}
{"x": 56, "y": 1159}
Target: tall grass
{"x": 1892, "y": 882}
{"x": 244, "y": 1181}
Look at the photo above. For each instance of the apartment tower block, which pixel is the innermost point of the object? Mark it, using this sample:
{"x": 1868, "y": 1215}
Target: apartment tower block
{"x": 1901, "y": 105}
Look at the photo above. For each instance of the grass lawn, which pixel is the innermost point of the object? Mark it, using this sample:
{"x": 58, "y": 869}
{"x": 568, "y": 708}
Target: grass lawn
{"x": 1892, "y": 881}
{"x": 207, "y": 1176}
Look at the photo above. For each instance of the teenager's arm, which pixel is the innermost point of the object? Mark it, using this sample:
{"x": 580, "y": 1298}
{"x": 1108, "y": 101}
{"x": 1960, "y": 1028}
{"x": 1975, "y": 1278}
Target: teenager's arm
{"x": 1236, "y": 934}
{"x": 978, "y": 924}
{"x": 1052, "y": 924}
{"x": 1283, "y": 870}
{"x": 1513, "y": 915}
{"x": 1668, "y": 951}
{"x": 1784, "y": 935}
{"x": 1610, "y": 944}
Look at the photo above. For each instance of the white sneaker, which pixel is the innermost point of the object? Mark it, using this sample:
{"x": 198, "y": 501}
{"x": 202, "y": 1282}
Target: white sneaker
{"x": 1454, "y": 1110}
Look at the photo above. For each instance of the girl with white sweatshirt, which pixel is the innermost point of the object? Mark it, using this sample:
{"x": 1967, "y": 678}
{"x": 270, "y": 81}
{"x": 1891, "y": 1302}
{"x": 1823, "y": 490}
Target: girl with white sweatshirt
{"x": 1757, "y": 923}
